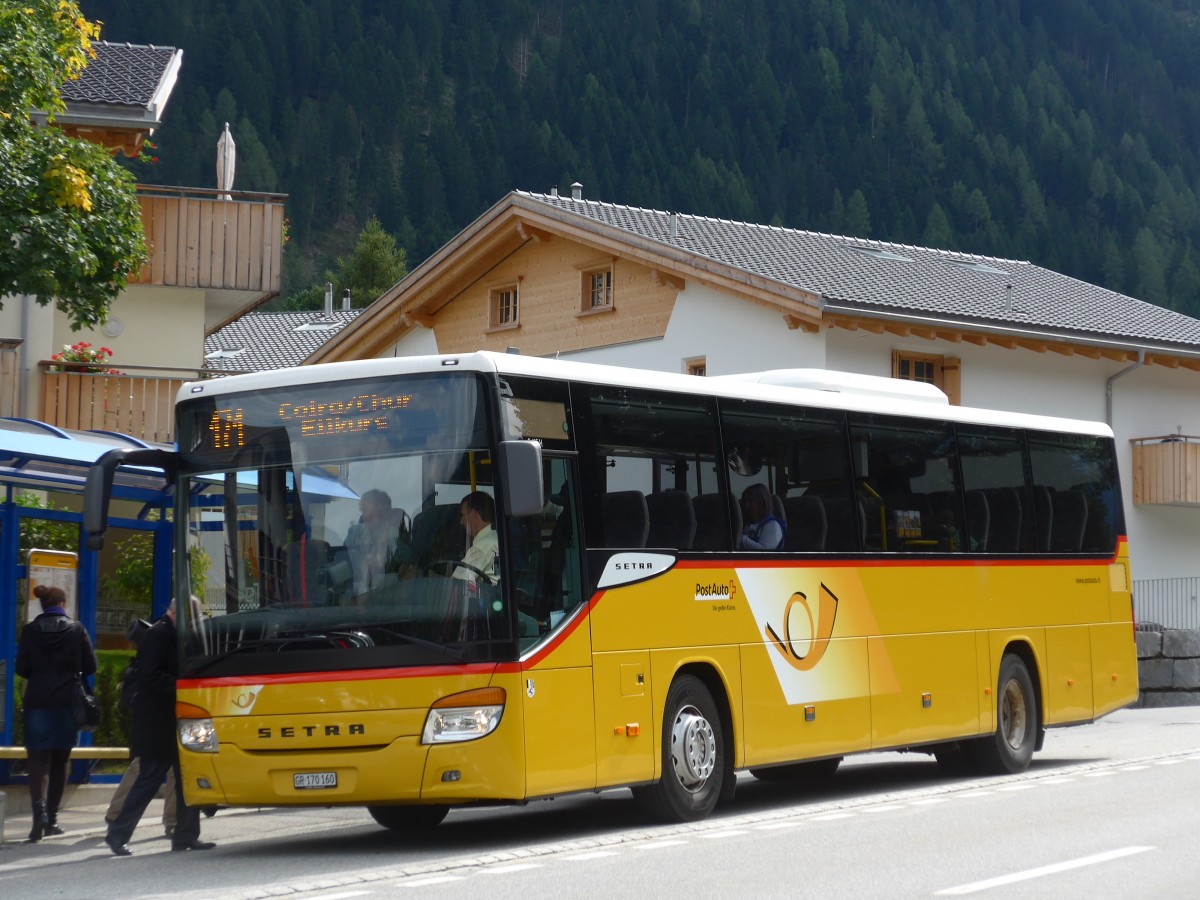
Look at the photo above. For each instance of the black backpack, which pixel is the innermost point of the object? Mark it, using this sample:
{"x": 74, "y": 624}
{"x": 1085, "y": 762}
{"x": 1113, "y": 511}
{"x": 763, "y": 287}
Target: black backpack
{"x": 128, "y": 685}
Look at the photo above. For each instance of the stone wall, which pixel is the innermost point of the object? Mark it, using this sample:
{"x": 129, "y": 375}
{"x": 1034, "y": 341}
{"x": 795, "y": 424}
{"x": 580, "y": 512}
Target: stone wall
{"x": 1168, "y": 666}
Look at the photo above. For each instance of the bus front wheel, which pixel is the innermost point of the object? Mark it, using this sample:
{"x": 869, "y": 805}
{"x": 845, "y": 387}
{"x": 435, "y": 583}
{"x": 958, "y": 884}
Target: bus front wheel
{"x": 408, "y": 819}
{"x": 693, "y": 756}
{"x": 1009, "y": 748}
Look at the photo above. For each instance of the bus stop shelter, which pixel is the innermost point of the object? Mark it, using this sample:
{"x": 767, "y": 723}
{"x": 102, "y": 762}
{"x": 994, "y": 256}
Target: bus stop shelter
{"x": 36, "y": 457}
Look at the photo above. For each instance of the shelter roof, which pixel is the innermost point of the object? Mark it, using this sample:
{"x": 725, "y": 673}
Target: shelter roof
{"x": 38, "y": 456}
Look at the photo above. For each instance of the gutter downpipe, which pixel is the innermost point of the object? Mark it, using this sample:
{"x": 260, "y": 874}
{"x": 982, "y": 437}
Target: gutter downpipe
{"x": 1108, "y": 385}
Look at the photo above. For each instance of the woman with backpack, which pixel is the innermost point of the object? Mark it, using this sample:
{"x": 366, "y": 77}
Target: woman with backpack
{"x": 54, "y": 653}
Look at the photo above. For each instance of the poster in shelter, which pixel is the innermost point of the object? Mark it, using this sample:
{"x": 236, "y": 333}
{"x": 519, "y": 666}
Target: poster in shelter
{"x": 54, "y": 568}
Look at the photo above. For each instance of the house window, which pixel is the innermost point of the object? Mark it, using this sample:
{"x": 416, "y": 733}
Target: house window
{"x": 597, "y": 289}
{"x": 940, "y": 371}
{"x": 696, "y": 366}
{"x": 505, "y": 308}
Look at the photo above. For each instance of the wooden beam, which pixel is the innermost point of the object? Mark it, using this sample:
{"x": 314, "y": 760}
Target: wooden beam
{"x": 1035, "y": 346}
{"x": 953, "y": 337}
{"x": 1118, "y": 355}
{"x": 928, "y": 334}
{"x": 409, "y": 320}
{"x": 979, "y": 340}
{"x": 795, "y": 322}
{"x": 1089, "y": 352}
{"x": 666, "y": 279}
{"x": 1006, "y": 343}
{"x": 897, "y": 329}
{"x": 1192, "y": 364}
{"x": 528, "y": 233}
{"x": 1061, "y": 349}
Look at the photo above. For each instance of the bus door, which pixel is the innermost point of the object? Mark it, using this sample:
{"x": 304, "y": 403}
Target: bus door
{"x": 556, "y": 653}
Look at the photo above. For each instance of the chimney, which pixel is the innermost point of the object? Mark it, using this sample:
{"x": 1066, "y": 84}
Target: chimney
{"x": 674, "y": 226}
{"x": 346, "y": 300}
{"x": 328, "y": 299}
{"x": 554, "y": 191}
{"x": 576, "y": 190}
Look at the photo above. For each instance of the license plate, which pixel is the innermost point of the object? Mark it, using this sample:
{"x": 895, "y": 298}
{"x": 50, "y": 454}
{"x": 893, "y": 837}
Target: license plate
{"x": 309, "y": 781}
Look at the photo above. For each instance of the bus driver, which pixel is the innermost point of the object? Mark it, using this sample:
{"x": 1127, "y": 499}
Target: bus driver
{"x": 477, "y": 512}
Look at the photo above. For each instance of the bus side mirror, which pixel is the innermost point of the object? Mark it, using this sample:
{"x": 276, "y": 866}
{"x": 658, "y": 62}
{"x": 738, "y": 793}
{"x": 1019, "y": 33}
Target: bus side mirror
{"x": 521, "y": 474}
{"x": 97, "y": 490}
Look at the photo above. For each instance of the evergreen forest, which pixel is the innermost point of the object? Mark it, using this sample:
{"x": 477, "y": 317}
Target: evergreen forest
{"x": 1064, "y": 132}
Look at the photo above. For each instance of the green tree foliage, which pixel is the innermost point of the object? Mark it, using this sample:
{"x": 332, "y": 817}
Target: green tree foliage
{"x": 68, "y": 213}
{"x": 1053, "y": 131}
{"x": 376, "y": 264}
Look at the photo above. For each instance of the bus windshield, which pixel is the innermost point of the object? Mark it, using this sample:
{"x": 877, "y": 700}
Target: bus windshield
{"x": 347, "y": 525}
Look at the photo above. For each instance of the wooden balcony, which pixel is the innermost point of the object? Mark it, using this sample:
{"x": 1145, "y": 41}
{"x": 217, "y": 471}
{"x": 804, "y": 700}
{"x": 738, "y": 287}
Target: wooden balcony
{"x": 1166, "y": 470}
{"x": 212, "y": 240}
{"x": 140, "y": 403}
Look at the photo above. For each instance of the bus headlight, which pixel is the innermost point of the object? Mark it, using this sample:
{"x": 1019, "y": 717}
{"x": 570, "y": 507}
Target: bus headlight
{"x": 464, "y": 717}
{"x": 199, "y": 735}
{"x": 196, "y": 729}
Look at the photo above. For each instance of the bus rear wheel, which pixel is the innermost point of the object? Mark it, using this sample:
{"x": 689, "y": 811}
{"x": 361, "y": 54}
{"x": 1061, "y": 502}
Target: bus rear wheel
{"x": 408, "y": 819}
{"x": 693, "y": 756}
{"x": 1009, "y": 748}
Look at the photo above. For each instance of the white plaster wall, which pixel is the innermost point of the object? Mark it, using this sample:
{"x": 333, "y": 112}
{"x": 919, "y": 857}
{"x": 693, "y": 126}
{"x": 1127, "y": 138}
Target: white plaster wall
{"x": 1164, "y": 541}
{"x": 161, "y": 326}
{"x": 26, "y": 318}
{"x": 732, "y": 335}
{"x": 417, "y": 342}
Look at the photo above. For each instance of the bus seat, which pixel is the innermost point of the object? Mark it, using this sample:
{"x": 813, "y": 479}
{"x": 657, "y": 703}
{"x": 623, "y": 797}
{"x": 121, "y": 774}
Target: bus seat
{"x": 844, "y": 523}
{"x": 1004, "y": 520}
{"x": 672, "y": 520}
{"x": 807, "y": 525}
{"x": 713, "y": 527}
{"x": 307, "y": 573}
{"x": 626, "y": 520}
{"x": 437, "y": 533}
{"x": 1070, "y": 520}
{"x": 978, "y": 521}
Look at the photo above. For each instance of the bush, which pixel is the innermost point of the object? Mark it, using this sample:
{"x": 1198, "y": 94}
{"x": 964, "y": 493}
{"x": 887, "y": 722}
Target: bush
{"x": 115, "y": 723}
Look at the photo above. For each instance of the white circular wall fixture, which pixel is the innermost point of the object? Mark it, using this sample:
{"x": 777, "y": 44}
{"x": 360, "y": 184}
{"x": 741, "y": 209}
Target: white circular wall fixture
{"x": 113, "y": 327}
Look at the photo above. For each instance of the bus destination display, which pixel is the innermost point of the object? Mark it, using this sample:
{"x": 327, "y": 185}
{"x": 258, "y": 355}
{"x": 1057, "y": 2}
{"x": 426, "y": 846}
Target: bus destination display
{"x": 313, "y": 418}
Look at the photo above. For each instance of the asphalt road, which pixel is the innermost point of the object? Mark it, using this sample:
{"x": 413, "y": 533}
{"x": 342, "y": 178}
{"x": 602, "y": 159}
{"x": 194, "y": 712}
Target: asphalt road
{"x": 1104, "y": 811}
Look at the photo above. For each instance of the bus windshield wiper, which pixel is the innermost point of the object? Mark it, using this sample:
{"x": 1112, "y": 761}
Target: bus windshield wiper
{"x": 242, "y": 645}
{"x": 444, "y": 649}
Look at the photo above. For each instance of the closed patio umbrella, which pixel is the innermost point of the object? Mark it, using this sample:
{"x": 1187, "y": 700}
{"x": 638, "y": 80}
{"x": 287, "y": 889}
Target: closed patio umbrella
{"x": 226, "y": 158}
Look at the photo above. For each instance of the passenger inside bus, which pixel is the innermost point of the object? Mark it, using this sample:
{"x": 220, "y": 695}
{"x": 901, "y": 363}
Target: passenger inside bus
{"x": 764, "y": 530}
{"x": 477, "y": 512}
{"x": 379, "y": 542}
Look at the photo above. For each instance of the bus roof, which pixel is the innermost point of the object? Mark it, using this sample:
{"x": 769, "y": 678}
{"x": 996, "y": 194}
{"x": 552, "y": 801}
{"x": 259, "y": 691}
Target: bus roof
{"x": 826, "y": 389}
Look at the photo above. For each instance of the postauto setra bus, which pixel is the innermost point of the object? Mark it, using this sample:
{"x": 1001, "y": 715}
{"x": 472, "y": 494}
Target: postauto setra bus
{"x": 943, "y": 579}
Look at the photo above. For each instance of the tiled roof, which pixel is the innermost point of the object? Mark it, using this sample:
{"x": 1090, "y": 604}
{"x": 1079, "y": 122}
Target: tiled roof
{"x": 264, "y": 340}
{"x": 121, "y": 74}
{"x": 856, "y": 275}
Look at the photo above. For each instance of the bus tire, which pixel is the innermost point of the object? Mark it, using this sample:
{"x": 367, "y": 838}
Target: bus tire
{"x": 693, "y": 756}
{"x": 1010, "y": 747}
{"x": 408, "y": 819}
{"x": 812, "y": 772}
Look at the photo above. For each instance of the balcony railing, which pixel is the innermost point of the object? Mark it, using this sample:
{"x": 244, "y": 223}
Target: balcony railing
{"x": 1166, "y": 470}
{"x": 210, "y": 239}
{"x": 140, "y": 404}
{"x": 1169, "y": 602}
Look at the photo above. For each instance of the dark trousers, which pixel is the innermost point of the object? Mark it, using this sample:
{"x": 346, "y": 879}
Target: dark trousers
{"x": 150, "y": 778}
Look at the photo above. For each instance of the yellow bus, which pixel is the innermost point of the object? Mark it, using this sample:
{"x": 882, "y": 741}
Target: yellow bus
{"x": 486, "y": 578}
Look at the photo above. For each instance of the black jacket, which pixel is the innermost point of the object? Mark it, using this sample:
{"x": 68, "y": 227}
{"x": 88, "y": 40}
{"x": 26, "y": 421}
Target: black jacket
{"x": 154, "y": 706}
{"x": 51, "y": 651}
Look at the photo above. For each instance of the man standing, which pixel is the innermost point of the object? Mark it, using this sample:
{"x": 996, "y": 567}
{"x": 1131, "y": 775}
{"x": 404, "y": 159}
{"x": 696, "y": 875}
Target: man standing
{"x": 154, "y": 742}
